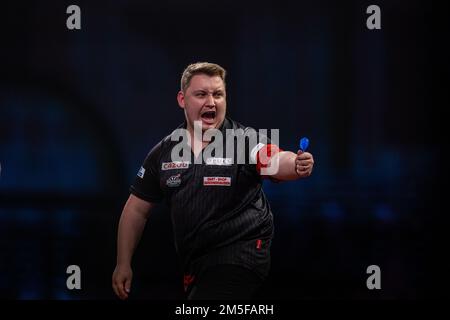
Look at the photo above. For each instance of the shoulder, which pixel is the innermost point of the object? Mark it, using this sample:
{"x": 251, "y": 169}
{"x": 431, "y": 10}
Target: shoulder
{"x": 232, "y": 124}
{"x": 164, "y": 144}
{"x": 173, "y": 138}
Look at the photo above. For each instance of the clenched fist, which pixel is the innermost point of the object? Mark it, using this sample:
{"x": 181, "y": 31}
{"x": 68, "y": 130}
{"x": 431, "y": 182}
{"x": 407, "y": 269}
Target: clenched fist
{"x": 304, "y": 163}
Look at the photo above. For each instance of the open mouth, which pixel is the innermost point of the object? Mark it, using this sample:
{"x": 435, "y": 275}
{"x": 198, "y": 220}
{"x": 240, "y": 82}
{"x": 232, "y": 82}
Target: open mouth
{"x": 208, "y": 116}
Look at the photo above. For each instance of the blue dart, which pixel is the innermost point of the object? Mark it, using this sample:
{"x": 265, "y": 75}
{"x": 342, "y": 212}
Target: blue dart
{"x": 304, "y": 143}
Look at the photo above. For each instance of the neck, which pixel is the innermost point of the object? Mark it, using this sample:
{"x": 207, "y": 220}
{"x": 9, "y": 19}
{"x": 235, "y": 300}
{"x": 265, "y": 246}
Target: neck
{"x": 196, "y": 140}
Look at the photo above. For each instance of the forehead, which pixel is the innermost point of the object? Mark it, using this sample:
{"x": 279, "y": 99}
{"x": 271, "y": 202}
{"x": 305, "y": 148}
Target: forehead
{"x": 205, "y": 82}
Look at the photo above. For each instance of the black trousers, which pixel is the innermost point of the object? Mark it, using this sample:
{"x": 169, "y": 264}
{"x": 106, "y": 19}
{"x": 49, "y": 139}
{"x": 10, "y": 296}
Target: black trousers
{"x": 225, "y": 282}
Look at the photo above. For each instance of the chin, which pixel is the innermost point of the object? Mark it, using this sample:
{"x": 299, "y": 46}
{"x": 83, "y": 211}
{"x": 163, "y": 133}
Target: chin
{"x": 209, "y": 126}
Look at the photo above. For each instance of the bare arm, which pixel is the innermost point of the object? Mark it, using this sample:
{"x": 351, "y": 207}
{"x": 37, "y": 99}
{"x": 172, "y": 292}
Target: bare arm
{"x": 292, "y": 166}
{"x": 131, "y": 225}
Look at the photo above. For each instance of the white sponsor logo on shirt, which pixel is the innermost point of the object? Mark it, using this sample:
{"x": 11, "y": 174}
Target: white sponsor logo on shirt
{"x": 219, "y": 161}
{"x": 141, "y": 172}
{"x": 217, "y": 181}
{"x": 174, "y": 181}
{"x": 175, "y": 165}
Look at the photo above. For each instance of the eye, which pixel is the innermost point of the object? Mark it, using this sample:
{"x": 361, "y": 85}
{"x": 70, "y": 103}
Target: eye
{"x": 200, "y": 94}
{"x": 218, "y": 94}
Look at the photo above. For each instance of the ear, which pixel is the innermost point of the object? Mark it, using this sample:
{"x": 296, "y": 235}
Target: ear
{"x": 180, "y": 99}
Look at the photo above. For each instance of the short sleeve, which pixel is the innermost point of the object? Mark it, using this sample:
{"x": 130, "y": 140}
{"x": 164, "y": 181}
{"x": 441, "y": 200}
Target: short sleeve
{"x": 146, "y": 184}
{"x": 261, "y": 149}
{"x": 256, "y": 140}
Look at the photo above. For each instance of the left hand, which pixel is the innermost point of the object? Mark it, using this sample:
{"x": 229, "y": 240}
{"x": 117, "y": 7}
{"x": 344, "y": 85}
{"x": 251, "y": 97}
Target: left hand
{"x": 304, "y": 163}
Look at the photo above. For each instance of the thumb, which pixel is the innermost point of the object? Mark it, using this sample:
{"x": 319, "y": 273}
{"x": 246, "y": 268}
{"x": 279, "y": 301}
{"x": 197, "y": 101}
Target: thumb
{"x": 128, "y": 285}
{"x": 299, "y": 152}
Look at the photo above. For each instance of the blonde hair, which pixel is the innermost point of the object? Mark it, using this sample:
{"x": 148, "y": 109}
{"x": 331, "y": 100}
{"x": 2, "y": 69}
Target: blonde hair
{"x": 210, "y": 69}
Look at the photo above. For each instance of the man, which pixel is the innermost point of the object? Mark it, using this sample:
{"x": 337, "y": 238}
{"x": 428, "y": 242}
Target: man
{"x": 221, "y": 218}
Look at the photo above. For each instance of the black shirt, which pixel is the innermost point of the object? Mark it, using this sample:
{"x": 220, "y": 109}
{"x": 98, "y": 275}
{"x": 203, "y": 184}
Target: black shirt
{"x": 219, "y": 212}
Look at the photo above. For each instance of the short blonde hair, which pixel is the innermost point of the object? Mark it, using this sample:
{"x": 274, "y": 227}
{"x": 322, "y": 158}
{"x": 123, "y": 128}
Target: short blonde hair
{"x": 210, "y": 69}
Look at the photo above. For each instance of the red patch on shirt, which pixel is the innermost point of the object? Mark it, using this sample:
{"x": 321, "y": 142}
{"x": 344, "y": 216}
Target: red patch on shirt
{"x": 217, "y": 181}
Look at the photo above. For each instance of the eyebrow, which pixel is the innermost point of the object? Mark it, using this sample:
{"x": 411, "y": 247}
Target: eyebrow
{"x": 204, "y": 90}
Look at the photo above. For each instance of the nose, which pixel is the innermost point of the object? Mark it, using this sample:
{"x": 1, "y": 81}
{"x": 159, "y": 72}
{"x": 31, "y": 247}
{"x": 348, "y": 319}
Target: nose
{"x": 210, "y": 101}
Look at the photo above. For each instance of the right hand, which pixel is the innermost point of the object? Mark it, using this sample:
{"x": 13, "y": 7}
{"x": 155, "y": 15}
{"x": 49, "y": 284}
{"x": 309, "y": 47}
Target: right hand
{"x": 304, "y": 163}
{"x": 121, "y": 281}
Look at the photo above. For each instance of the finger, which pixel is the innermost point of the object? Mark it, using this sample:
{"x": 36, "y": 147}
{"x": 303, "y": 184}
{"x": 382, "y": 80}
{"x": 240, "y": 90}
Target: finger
{"x": 302, "y": 169}
{"x": 123, "y": 293}
{"x": 304, "y": 156}
{"x": 303, "y": 164}
{"x": 303, "y": 174}
{"x": 120, "y": 290}
{"x": 115, "y": 289}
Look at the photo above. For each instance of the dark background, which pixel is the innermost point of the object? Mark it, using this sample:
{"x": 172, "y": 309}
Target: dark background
{"x": 79, "y": 110}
